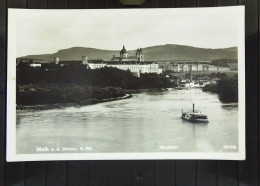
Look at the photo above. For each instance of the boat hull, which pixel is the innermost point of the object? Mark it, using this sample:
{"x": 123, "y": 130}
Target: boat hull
{"x": 195, "y": 120}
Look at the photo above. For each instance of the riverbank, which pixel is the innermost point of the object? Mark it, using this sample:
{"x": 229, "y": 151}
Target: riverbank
{"x": 226, "y": 89}
{"x": 48, "y": 96}
{"x": 63, "y": 105}
{"x": 62, "y": 95}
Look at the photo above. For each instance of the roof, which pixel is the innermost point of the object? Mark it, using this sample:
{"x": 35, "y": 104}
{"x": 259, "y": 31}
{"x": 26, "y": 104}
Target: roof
{"x": 191, "y": 63}
{"x": 129, "y": 57}
{"x": 132, "y": 57}
{"x": 130, "y": 62}
{"x": 98, "y": 61}
{"x": 123, "y": 62}
{"x": 69, "y": 62}
{"x": 116, "y": 57}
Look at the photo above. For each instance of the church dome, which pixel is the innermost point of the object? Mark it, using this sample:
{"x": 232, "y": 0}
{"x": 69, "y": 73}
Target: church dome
{"x": 123, "y": 50}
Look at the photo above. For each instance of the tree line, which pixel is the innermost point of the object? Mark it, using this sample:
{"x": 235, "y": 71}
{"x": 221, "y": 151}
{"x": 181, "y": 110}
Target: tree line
{"x": 226, "y": 88}
{"x": 103, "y": 77}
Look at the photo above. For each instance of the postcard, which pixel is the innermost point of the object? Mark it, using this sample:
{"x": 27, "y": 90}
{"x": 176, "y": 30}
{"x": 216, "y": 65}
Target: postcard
{"x": 126, "y": 84}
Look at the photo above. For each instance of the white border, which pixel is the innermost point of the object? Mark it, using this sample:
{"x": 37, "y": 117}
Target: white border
{"x": 11, "y": 98}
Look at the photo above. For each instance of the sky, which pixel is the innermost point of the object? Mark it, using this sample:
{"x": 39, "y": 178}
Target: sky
{"x": 47, "y": 31}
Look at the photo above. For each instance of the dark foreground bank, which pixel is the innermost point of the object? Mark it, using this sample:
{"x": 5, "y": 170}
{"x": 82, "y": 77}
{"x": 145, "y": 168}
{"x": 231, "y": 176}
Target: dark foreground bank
{"x": 227, "y": 89}
{"x": 80, "y": 86}
{"x": 57, "y": 96}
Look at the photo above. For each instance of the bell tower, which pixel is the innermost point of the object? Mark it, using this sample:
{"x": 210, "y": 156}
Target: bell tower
{"x": 140, "y": 54}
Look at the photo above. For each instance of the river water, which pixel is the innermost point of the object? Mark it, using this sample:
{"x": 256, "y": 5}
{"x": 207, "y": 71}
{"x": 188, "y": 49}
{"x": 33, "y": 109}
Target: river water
{"x": 148, "y": 122}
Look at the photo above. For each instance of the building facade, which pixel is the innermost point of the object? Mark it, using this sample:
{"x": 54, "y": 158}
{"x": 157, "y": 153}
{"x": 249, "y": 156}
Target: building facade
{"x": 137, "y": 68}
{"x": 183, "y": 67}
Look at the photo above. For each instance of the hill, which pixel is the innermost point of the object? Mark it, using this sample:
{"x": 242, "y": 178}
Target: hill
{"x": 232, "y": 63}
{"x": 154, "y": 53}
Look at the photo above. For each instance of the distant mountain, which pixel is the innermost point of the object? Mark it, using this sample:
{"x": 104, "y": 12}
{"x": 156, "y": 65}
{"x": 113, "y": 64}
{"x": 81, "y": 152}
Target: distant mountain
{"x": 182, "y": 52}
{"x": 154, "y": 53}
{"x": 232, "y": 63}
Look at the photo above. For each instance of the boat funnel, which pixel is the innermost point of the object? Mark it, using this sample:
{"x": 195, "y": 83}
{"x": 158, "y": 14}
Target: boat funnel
{"x": 193, "y": 107}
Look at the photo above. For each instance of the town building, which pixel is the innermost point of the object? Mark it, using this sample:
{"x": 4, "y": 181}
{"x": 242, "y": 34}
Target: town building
{"x": 194, "y": 66}
{"x": 212, "y": 68}
{"x": 223, "y": 68}
{"x": 32, "y": 63}
{"x": 35, "y": 65}
{"x": 95, "y": 64}
{"x": 70, "y": 63}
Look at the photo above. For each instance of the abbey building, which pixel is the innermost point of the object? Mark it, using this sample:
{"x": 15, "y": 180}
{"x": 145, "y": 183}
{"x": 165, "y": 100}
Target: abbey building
{"x": 135, "y": 64}
{"x": 124, "y": 56}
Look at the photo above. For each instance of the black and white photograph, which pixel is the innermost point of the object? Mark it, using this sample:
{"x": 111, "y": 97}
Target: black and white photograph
{"x": 126, "y": 84}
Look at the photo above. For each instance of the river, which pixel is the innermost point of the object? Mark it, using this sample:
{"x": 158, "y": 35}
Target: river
{"x": 147, "y": 122}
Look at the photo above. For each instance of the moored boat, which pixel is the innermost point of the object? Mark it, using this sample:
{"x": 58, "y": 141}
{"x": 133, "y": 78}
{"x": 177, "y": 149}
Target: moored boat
{"x": 194, "y": 116}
